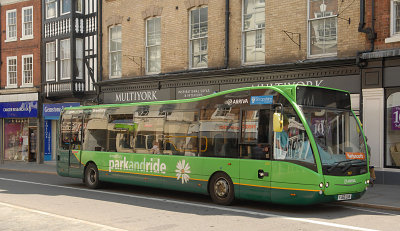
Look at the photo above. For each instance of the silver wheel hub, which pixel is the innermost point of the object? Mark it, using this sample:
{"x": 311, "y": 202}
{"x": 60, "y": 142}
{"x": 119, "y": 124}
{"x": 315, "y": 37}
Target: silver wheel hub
{"x": 221, "y": 188}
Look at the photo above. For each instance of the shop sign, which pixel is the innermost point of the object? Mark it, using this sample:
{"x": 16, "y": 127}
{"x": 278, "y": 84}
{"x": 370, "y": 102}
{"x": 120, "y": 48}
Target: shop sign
{"x": 47, "y": 140}
{"x": 396, "y": 118}
{"x": 53, "y": 111}
{"x": 137, "y": 96}
{"x": 349, "y": 83}
{"x": 18, "y": 109}
{"x": 193, "y": 92}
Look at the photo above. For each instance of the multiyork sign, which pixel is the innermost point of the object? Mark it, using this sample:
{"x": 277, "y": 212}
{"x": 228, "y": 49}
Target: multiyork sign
{"x": 136, "y": 96}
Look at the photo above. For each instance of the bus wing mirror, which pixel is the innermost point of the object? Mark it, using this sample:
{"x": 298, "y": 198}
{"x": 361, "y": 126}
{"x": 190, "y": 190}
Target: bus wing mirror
{"x": 277, "y": 122}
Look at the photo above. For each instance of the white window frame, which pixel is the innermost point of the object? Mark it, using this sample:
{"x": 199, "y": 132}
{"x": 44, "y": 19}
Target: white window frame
{"x": 259, "y": 30}
{"x": 8, "y": 38}
{"x": 152, "y": 46}
{"x": 9, "y": 85}
{"x": 54, "y": 60}
{"x": 200, "y": 39}
{"x": 328, "y": 15}
{"x": 63, "y": 59}
{"x": 79, "y": 57}
{"x": 394, "y": 35}
{"x": 76, "y": 7}
{"x": 47, "y": 10}
{"x": 25, "y": 36}
{"x": 24, "y": 83}
{"x": 110, "y": 52}
{"x": 61, "y": 7}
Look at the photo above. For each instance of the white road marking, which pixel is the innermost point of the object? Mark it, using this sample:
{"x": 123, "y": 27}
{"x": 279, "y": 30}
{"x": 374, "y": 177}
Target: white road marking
{"x": 61, "y": 217}
{"x": 367, "y": 210}
{"x": 199, "y": 205}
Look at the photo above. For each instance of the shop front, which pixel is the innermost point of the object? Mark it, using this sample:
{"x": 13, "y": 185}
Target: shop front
{"x": 19, "y": 133}
{"x": 51, "y": 114}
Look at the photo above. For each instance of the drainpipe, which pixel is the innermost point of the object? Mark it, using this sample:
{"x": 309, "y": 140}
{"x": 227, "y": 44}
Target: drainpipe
{"x": 370, "y": 31}
{"x": 226, "y": 60}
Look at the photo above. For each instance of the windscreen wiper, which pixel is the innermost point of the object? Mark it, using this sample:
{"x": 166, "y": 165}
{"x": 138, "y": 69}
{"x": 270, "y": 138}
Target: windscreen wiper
{"x": 352, "y": 164}
{"x": 337, "y": 164}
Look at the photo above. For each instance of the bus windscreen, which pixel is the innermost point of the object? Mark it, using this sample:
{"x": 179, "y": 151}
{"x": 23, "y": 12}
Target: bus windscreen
{"x": 320, "y": 97}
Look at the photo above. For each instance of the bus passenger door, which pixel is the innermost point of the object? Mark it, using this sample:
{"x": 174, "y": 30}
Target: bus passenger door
{"x": 255, "y": 164}
{"x": 75, "y": 166}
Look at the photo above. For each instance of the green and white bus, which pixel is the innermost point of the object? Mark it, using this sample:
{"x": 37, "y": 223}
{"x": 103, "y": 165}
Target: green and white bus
{"x": 283, "y": 144}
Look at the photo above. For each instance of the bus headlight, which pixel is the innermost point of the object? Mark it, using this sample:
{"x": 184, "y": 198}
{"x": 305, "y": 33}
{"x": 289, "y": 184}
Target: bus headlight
{"x": 327, "y": 185}
{"x": 367, "y": 182}
{"x": 321, "y": 185}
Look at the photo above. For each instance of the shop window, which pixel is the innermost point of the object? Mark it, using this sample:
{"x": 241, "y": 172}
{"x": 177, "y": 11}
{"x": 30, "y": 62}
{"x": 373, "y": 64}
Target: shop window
{"x": 16, "y": 139}
{"x": 392, "y": 147}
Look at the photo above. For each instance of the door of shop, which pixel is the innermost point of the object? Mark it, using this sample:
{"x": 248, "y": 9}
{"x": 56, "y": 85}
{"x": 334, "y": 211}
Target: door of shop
{"x": 32, "y": 144}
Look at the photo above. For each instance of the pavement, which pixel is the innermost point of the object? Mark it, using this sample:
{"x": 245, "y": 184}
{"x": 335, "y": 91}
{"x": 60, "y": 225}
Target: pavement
{"x": 380, "y": 196}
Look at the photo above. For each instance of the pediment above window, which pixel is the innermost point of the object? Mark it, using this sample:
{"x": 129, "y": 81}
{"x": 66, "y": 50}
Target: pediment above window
{"x": 195, "y": 3}
{"x": 152, "y": 11}
{"x": 114, "y": 20}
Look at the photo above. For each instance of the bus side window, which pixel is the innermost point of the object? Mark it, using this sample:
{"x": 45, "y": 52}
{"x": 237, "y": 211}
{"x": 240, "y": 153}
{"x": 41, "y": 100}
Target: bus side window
{"x": 66, "y": 132}
{"x": 95, "y": 132}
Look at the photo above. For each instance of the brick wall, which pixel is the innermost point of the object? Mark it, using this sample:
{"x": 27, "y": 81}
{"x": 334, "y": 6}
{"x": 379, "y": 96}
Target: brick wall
{"x": 382, "y": 24}
{"x": 281, "y": 16}
{"x": 21, "y": 47}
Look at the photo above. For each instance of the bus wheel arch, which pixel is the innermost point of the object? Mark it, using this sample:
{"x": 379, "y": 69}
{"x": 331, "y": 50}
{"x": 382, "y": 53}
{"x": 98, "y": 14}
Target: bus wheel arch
{"x": 221, "y": 188}
{"x": 91, "y": 176}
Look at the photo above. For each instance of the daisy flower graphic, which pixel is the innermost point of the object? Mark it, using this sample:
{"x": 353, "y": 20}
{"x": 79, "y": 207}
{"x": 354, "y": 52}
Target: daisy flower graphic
{"x": 182, "y": 171}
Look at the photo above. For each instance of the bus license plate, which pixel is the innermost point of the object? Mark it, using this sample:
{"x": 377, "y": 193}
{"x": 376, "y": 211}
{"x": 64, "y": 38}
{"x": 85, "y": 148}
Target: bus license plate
{"x": 344, "y": 197}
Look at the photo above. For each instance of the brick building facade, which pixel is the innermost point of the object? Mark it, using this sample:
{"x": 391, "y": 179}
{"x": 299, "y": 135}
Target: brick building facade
{"x": 20, "y": 79}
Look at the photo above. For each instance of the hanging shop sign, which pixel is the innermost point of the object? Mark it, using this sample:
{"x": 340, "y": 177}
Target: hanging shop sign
{"x": 23, "y": 109}
{"x": 47, "y": 140}
{"x": 53, "y": 111}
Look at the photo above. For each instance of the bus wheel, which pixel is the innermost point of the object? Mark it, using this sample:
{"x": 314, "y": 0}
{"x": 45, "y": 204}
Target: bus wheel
{"x": 221, "y": 189}
{"x": 92, "y": 176}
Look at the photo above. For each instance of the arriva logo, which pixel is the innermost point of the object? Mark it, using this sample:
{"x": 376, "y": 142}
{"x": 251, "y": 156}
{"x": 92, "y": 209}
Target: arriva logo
{"x": 349, "y": 181}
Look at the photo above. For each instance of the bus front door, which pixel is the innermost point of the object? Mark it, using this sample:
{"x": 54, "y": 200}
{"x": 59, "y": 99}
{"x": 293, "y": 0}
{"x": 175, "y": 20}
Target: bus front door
{"x": 255, "y": 163}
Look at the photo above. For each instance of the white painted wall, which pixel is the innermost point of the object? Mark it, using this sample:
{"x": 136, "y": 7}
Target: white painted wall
{"x": 373, "y": 123}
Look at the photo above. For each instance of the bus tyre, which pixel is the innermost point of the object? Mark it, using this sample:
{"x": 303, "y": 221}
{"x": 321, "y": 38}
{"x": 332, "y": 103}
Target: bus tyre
{"x": 221, "y": 189}
{"x": 92, "y": 176}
